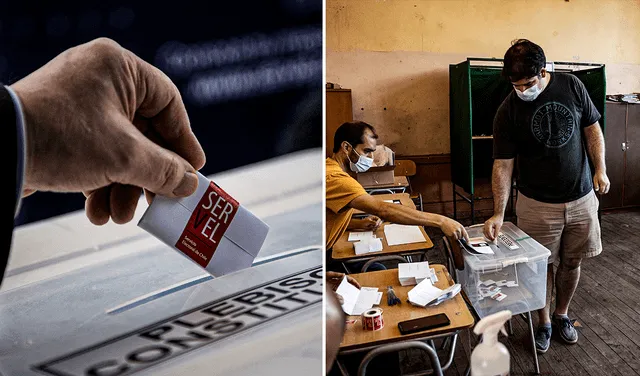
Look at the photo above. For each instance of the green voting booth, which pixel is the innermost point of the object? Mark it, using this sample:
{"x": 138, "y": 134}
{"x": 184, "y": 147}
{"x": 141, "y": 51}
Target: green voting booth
{"x": 476, "y": 90}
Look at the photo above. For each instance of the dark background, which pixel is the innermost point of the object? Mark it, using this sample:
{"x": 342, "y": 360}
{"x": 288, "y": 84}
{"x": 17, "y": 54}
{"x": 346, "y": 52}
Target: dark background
{"x": 250, "y": 72}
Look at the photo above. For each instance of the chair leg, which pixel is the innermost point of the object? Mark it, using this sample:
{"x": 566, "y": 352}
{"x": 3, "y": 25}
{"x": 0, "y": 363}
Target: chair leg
{"x": 533, "y": 343}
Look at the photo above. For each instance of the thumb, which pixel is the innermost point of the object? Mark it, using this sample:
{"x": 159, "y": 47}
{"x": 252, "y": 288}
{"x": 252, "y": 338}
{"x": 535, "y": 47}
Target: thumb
{"x": 160, "y": 171}
{"x": 596, "y": 184}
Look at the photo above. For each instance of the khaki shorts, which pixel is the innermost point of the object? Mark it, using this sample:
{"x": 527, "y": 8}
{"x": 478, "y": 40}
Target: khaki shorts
{"x": 569, "y": 230}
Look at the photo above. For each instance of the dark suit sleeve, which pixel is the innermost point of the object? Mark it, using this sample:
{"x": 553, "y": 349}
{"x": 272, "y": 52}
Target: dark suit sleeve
{"x": 11, "y": 158}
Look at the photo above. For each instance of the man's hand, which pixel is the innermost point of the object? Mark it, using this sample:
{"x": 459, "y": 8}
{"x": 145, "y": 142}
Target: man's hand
{"x": 601, "y": 182}
{"x": 102, "y": 121}
{"x": 492, "y": 227}
{"x": 453, "y": 229}
{"x": 371, "y": 223}
{"x": 334, "y": 279}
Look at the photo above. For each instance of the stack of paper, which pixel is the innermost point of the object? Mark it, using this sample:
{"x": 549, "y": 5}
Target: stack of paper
{"x": 413, "y": 273}
{"x": 368, "y": 246}
{"x": 365, "y": 242}
{"x": 426, "y": 293}
{"x": 363, "y": 235}
{"x": 403, "y": 234}
{"x": 356, "y": 302}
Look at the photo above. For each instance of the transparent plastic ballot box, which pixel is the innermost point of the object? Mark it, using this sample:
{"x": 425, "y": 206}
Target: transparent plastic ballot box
{"x": 510, "y": 279}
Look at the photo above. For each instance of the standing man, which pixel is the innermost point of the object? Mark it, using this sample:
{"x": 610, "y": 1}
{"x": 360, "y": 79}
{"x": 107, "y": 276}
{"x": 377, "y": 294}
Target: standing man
{"x": 549, "y": 127}
{"x": 354, "y": 144}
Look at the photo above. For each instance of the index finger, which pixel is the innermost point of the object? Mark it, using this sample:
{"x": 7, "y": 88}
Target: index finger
{"x": 353, "y": 281}
{"x": 465, "y": 235}
{"x": 159, "y": 100}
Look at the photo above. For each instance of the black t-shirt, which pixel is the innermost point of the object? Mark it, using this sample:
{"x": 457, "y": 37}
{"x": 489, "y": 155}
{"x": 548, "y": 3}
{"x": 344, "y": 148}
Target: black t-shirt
{"x": 545, "y": 136}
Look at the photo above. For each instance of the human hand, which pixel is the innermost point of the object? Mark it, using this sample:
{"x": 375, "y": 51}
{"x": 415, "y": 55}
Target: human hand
{"x": 601, "y": 182}
{"x": 453, "y": 229}
{"x": 371, "y": 223}
{"x": 100, "y": 120}
{"x": 334, "y": 279}
{"x": 492, "y": 227}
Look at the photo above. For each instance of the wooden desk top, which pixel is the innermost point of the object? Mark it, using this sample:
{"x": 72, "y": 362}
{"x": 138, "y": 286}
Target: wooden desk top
{"x": 398, "y": 182}
{"x": 344, "y": 250}
{"x": 404, "y": 198}
{"x": 456, "y": 309}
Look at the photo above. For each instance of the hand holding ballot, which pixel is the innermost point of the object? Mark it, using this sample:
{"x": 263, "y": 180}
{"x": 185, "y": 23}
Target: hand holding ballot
{"x": 100, "y": 120}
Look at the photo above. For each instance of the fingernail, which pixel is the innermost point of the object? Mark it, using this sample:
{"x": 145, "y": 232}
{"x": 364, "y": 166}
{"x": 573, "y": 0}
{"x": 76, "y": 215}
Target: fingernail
{"x": 187, "y": 186}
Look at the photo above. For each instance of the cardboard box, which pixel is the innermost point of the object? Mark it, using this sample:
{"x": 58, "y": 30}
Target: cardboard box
{"x": 382, "y": 175}
{"x": 379, "y": 175}
{"x": 209, "y": 227}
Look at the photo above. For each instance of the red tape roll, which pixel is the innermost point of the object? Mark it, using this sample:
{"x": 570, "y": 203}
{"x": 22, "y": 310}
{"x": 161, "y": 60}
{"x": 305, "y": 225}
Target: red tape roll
{"x": 372, "y": 319}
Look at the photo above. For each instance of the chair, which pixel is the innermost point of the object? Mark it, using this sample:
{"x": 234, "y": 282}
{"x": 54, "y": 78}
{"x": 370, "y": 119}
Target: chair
{"x": 433, "y": 356}
{"x": 367, "y": 264}
{"x": 405, "y": 167}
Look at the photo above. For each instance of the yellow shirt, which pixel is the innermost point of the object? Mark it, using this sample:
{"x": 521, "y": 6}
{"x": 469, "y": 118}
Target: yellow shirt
{"x": 341, "y": 190}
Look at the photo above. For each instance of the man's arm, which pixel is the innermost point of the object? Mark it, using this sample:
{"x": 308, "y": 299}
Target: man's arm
{"x": 500, "y": 185}
{"x": 406, "y": 216}
{"x": 595, "y": 148}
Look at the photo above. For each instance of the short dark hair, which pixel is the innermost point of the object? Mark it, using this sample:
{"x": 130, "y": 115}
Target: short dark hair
{"x": 524, "y": 59}
{"x": 351, "y": 132}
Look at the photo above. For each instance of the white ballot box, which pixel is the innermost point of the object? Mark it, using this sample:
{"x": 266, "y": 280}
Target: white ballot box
{"x": 79, "y": 299}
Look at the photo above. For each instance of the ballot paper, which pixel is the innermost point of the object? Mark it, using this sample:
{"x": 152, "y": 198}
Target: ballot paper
{"x": 378, "y": 293}
{"x": 367, "y": 246}
{"x": 480, "y": 245}
{"x": 412, "y": 273}
{"x": 357, "y": 301}
{"x": 362, "y": 235}
{"x": 424, "y": 293}
{"x": 403, "y": 234}
{"x": 208, "y": 227}
{"x": 447, "y": 294}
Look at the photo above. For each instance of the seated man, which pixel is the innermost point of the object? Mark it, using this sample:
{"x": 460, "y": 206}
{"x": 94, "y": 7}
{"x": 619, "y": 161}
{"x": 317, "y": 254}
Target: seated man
{"x": 354, "y": 144}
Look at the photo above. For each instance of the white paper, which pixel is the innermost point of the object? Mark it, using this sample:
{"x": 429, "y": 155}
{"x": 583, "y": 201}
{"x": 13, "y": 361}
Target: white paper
{"x": 413, "y": 273}
{"x": 356, "y": 301}
{"x": 423, "y": 293}
{"x": 480, "y": 245}
{"x": 378, "y": 298}
{"x": 403, "y": 234}
{"x": 367, "y": 246}
{"x": 434, "y": 277}
{"x": 363, "y": 235}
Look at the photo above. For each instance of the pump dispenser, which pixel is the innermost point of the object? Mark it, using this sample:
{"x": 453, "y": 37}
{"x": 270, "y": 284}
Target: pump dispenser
{"x": 491, "y": 358}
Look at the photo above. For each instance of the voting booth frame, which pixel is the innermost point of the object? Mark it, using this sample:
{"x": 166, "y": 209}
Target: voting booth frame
{"x": 477, "y": 89}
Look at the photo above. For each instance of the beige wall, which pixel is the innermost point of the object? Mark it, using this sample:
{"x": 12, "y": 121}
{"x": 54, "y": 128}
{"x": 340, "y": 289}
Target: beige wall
{"x": 394, "y": 54}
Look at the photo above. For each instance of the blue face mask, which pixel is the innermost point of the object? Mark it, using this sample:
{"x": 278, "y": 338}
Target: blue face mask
{"x": 362, "y": 165}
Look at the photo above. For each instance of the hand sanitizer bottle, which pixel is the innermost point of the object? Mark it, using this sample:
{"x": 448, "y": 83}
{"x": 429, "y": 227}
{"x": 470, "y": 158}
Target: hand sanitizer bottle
{"x": 491, "y": 358}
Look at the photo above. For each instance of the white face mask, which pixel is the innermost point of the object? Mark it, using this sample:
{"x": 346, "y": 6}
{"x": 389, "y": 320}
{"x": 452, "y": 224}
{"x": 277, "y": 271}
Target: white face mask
{"x": 363, "y": 164}
{"x": 530, "y": 94}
